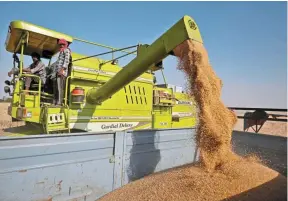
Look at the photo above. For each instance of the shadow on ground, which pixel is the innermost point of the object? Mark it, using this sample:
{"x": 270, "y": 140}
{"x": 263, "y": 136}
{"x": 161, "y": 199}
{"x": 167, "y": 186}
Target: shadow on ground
{"x": 274, "y": 190}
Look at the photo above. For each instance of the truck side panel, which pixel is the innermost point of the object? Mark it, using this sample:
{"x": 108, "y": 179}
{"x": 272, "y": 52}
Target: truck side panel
{"x": 87, "y": 166}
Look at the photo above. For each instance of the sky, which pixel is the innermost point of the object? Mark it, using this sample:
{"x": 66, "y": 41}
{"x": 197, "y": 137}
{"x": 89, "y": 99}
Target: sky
{"x": 246, "y": 41}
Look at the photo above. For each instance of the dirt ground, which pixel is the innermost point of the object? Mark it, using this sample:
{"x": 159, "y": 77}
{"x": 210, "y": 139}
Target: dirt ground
{"x": 272, "y": 128}
{"x": 5, "y": 119}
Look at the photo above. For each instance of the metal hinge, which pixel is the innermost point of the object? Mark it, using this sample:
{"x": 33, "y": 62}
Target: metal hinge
{"x": 112, "y": 159}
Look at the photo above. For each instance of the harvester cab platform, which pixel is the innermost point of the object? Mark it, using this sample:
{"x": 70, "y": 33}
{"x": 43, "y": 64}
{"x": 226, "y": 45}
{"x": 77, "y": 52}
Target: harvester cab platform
{"x": 99, "y": 94}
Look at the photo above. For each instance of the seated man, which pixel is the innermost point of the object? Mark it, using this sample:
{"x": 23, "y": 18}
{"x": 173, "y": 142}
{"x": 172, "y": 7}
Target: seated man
{"x": 36, "y": 68}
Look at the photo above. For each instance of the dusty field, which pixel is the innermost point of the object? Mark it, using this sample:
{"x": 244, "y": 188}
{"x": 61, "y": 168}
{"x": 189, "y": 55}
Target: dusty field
{"x": 5, "y": 119}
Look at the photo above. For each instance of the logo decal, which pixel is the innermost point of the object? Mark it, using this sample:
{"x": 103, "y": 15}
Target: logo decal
{"x": 192, "y": 25}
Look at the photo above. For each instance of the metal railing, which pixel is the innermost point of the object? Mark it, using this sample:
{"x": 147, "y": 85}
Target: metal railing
{"x": 107, "y": 47}
{"x": 263, "y": 109}
{"x": 39, "y": 85}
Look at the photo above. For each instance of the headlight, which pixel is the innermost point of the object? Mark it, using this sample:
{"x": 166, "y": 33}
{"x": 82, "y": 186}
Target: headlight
{"x": 7, "y": 89}
{"x": 7, "y": 82}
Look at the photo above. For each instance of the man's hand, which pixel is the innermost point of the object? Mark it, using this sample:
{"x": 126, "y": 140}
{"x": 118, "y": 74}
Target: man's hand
{"x": 61, "y": 72}
{"x": 27, "y": 70}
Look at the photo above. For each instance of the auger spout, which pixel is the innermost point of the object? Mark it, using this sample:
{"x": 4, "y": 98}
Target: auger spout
{"x": 147, "y": 55}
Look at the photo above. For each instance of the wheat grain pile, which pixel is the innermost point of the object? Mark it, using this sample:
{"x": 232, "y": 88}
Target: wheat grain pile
{"x": 220, "y": 174}
{"x": 238, "y": 181}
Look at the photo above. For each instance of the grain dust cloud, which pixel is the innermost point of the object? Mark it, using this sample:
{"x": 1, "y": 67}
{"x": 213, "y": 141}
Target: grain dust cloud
{"x": 220, "y": 174}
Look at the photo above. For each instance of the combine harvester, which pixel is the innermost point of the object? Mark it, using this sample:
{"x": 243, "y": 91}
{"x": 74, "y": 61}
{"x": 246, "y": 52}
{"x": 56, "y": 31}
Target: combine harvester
{"x": 100, "y": 95}
{"x": 126, "y": 126}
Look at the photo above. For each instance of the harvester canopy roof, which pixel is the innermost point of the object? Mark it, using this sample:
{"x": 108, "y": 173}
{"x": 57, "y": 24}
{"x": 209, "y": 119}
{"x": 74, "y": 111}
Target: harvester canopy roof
{"x": 41, "y": 40}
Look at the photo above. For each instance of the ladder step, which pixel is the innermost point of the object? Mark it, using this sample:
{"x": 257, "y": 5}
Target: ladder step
{"x": 55, "y": 119}
{"x": 58, "y": 129}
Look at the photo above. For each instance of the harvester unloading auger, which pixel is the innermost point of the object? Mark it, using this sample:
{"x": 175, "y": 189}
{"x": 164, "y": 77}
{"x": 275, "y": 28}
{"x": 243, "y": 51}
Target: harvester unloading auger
{"x": 148, "y": 55}
{"x": 100, "y": 96}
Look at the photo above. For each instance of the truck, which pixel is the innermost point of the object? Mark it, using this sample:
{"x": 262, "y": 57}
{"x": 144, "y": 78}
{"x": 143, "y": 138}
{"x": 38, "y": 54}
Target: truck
{"x": 99, "y": 94}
